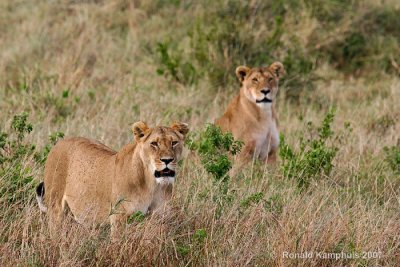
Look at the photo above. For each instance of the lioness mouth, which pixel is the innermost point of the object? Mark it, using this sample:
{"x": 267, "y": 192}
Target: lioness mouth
{"x": 164, "y": 173}
{"x": 264, "y": 100}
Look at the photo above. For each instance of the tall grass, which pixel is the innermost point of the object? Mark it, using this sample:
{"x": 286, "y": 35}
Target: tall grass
{"x": 91, "y": 68}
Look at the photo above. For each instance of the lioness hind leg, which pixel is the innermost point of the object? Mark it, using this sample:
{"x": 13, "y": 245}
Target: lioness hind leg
{"x": 55, "y": 219}
{"x": 56, "y": 215}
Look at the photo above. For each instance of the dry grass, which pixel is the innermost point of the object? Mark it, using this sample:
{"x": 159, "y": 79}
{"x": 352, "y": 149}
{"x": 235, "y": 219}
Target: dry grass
{"x": 99, "y": 53}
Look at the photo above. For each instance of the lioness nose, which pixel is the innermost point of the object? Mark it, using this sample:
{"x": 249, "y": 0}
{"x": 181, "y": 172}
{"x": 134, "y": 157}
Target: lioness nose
{"x": 265, "y": 91}
{"x": 167, "y": 160}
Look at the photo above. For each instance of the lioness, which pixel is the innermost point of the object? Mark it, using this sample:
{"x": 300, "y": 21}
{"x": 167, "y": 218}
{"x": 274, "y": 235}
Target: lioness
{"x": 251, "y": 115}
{"x": 99, "y": 184}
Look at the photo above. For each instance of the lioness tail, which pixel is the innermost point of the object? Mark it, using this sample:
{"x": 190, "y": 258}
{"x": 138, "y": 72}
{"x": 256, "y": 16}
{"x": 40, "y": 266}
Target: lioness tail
{"x": 39, "y": 197}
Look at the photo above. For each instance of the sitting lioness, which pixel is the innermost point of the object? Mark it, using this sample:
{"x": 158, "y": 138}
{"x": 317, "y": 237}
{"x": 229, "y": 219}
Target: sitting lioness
{"x": 251, "y": 116}
{"x": 98, "y": 184}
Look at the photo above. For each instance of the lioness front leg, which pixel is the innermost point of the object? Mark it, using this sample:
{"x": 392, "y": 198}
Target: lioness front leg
{"x": 245, "y": 156}
{"x": 118, "y": 223}
{"x": 162, "y": 195}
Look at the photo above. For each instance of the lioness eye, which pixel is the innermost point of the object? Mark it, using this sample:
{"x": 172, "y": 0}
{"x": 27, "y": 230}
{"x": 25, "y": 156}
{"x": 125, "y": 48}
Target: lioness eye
{"x": 154, "y": 144}
{"x": 174, "y": 143}
{"x": 255, "y": 80}
{"x": 270, "y": 79}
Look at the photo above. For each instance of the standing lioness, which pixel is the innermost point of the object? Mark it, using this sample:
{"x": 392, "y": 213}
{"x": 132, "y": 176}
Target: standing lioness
{"x": 98, "y": 184}
{"x": 251, "y": 115}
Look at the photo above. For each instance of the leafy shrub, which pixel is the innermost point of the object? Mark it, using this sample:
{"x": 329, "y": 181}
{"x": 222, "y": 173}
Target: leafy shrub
{"x": 14, "y": 175}
{"x": 215, "y": 149}
{"x": 315, "y": 155}
{"x": 12, "y": 145}
{"x": 16, "y": 179}
{"x": 393, "y": 157}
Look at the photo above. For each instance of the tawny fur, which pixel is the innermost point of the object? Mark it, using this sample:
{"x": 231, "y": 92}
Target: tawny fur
{"x": 100, "y": 185}
{"x": 256, "y": 124}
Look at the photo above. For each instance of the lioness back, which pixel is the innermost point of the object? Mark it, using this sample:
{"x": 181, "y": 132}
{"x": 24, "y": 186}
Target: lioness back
{"x": 78, "y": 172}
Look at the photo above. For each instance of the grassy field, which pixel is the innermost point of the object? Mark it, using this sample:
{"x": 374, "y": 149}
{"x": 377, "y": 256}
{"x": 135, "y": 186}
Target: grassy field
{"x": 91, "y": 68}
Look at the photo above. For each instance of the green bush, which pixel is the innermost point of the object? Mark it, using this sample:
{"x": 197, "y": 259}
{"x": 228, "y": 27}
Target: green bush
{"x": 15, "y": 175}
{"x": 215, "y": 150}
{"x": 16, "y": 166}
{"x": 315, "y": 155}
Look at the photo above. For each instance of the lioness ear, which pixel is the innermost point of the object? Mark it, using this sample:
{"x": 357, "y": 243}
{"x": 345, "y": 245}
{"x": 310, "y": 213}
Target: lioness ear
{"x": 241, "y": 72}
{"x": 277, "y": 69}
{"x": 181, "y": 127}
{"x": 139, "y": 129}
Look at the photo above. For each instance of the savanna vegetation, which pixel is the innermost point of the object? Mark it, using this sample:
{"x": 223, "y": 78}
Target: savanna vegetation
{"x": 91, "y": 68}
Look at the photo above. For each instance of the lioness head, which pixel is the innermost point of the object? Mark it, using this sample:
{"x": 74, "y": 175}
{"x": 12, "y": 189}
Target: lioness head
{"x": 160, "y": 148}
{"x": 260, "y": 84}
